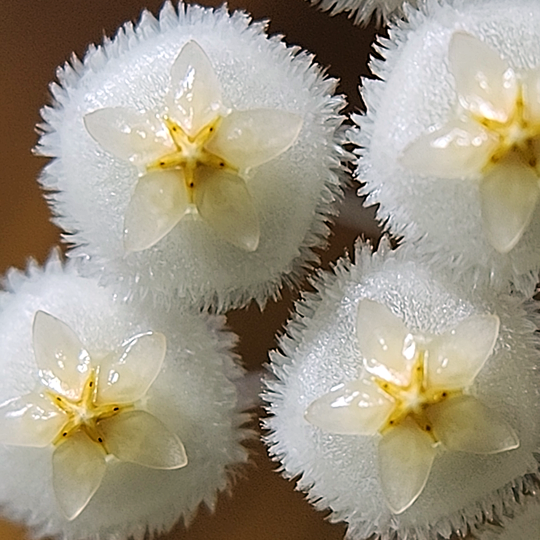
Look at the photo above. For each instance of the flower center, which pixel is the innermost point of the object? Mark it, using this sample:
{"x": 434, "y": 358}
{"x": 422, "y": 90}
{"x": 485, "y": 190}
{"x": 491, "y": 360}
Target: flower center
{"x": 84, "y": 414}
{"x": 190, "y": 154}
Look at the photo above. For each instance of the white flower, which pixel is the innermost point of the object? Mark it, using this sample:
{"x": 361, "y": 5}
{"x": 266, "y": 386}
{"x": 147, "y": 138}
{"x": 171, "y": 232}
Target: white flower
{"x": 413, "y": 394}
{"x": 194, "y": 157}
{"x": 116, "y": 421}
{"x": 358, "y": 411}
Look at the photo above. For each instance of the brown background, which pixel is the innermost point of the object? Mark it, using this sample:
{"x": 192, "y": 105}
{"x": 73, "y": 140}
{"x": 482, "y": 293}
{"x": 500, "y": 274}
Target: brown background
{"x": 37, "y": 36}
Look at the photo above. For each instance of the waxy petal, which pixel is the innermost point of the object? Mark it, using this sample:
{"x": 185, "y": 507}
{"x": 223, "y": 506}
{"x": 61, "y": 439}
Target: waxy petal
{"x": 139, "y": 437}
{"x": 30, "y": 420}
{"x": 455, "y": 358}
{"x": 459, "y": 149}
{"x": 385, "y": 342}
{"x": 352, "y": 408}
{"x": 63, "y": 362}
{"x": 194, "y": 99}
{"x": 508, "y": 196}
{"x": 126, "y": 377}
{"x": 486, "y": 85}
{"x": 158, "y": 203}
{"x": 78, "y": 469}
{"x": 531, "y": 95}
{"x": 225, "y": 204}
{"x": 405, "y": 455}
{"x": 465, "y": 424}
{"x": 250, "y": 138}
{"x": 130, "y": 135}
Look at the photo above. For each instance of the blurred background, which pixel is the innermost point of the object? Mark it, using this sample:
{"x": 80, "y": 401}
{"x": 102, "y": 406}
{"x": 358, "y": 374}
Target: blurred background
{"x": 36, "y": 37}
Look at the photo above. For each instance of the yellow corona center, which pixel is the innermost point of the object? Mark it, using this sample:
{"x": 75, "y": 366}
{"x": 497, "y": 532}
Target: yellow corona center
{"x": 412, "y": 400}
{"x": 190, "y": 154}
{"x": 84, "y": 414}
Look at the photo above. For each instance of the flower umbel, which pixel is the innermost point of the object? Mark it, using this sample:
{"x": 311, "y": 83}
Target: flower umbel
{"x": 413, "y": 393}
{"x": 494, "y": 133}
{"x": 194, "y": 157}
{"x": 88, "y": 409}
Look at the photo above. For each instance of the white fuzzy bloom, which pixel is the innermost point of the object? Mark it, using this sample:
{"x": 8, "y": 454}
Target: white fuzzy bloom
{"x": 452, "y": 138}
{"x": 194, "y": 156}
{"x": 115, "y": 420}
{"x": 404, "y": 403}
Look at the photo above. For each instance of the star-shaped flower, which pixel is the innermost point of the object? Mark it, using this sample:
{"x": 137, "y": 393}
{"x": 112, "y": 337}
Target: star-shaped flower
{"x": 413, "y": 392}
{"x": 193, "y": 156}
{"x": 494, "y": 134}
{"x": 89, "y": 409}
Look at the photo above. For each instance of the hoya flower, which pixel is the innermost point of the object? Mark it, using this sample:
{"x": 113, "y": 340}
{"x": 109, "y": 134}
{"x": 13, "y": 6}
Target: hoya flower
{"x": 194, "y": 157}
{"x": 451, "y": 138}
{"x": 404, "y": 403}
{"x": 115, "y": 420}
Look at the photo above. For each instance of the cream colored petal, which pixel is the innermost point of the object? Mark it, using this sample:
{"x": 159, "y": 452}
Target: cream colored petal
{"x": 351, "y": 408}
{"x": 531, "y": 95}
{"x": 225, "y": 204}
{"x": 486, "y": 85}
{"x": 78, "y": 469}
{"x": 508, "y": 196}
{"x": 459, "y": 149}
{"x": 127, "y": 376}
{"x": 194, "y": 98}
{"x": 158, "y": 203}
{"x": 455, "y": 357}
{"x": 406, "y": 455}
{"x": 465, "y": 424}
{"x": 250, "y": 138}
{"x": 31, "y": 420}
{"x": 139, "y": 437}
{"x": 384, "y": 341}
{"x": 130, "y": 135}
{"x": 63, "y": 362}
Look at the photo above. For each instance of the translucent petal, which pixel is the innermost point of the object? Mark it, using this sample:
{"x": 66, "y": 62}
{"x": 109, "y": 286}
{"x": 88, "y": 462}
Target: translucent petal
{"x": 78, "y": 469}
{"x": 224, "y": 203}
{"x": 139, "y": 437}
{"x": 485, "y": 83}
{"x": 250, "y": 138}
{"x": 459, "y": 149}
{"x": 158, "y": 203}
{"x": 385, "y": 343}
{"x": 130, "y": 135}
{"x": 456, "y": 357}
{"x": 508, "y": 197}
{"x": 30, "y": 420}
{"x": 465, "y": 424}
{"x": 126, "y": 377}
{"x": 352, "y": 408}
{"x": 406, "y": 455}
{"x": 531, "y": 95}
{"x": 194, "y": 98}
{"x": 63, "y": 362}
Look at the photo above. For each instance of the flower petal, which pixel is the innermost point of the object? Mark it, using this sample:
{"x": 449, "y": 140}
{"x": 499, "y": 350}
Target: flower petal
{"x": 508, "y": 197}
{"x": 486, "y": 85}
{"x": 139, "y": 437}
{"x": 351, "y": 408}
{"x": 225, "y": 204}
{"x": 30, "y": 420}
{"x": 158, "y": 203}
{"x": 63, "y": 362}
{"x": 129, "y": 134}
{"x": 459, "y": 149}
{"x": 78, "y": 469}
{"x": 194, "y": 99}
{"x": 531, "y": 95}
{"x": 456, "y": 357}
{"x": 250, "y": 138}
{"x": 126, "y": 377}
{"x": 385, "y": 343}
{"x": 405, "y": 455}
{"x": 465, "y": 424}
